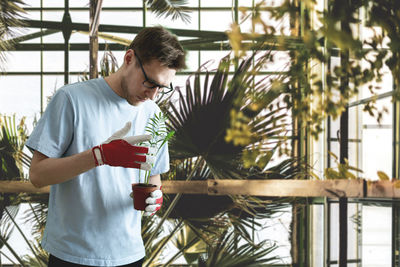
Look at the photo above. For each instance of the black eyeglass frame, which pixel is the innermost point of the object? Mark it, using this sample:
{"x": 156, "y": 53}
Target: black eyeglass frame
{"x": 161, "y": 88}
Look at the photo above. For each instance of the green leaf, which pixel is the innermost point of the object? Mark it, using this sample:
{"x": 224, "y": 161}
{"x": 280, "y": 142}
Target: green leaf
{"x": 383, "y": 176}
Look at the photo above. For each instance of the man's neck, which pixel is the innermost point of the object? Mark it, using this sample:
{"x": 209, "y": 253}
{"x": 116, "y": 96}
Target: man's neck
{"x": 114, "y": 82}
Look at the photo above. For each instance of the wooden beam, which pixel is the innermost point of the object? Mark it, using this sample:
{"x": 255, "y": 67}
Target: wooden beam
{"x": 288, "y": 188}
{"x": 383, "y": 189}
{"x": 269, "y": 188}
{"x": 21, "y": 187}
{"x": 185, "y": 187}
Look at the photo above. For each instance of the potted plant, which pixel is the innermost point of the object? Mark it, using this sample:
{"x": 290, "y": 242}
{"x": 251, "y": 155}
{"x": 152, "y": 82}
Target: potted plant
{"x": 160, "y": 135}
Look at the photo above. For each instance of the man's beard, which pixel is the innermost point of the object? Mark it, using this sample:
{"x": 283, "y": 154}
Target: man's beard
{"x": 125, "y": 92}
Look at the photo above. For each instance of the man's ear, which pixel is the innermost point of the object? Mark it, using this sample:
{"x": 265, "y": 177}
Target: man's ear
{"x": 129, "y": 57}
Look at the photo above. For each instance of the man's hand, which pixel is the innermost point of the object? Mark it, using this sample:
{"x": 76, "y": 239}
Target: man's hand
{"x": 120, "y": 151}
{"x": 153, "y": 202}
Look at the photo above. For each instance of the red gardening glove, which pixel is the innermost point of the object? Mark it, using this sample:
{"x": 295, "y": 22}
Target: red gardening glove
{"x": 120, "y": 151}
{"x": 154, "y": 202}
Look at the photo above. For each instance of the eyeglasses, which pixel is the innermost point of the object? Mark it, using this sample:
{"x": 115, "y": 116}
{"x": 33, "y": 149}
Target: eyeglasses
{"x": 148, "y": 83}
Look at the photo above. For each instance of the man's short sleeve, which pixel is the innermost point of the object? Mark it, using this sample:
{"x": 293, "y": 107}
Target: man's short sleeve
{"x": 162, "y": 161}
{"x": 54, "y": 131}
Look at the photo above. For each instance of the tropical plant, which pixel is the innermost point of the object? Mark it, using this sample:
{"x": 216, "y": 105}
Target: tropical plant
{"x": 12, "y": 141}
{"x": 6, "y": 229}
{"x": 11, "y": 13}
{"x": 159, "y": 137}
{"x": 227, "y": 253}
{"x": 190, "y": 244}
{"x": 13, "y": 160}
{"x": 108, "y": 65}
{"x": 203, "y": 119}
{"x": 199, "y": 150}
{"x": 312, "y": 96}
{"x": 170, "y": 8}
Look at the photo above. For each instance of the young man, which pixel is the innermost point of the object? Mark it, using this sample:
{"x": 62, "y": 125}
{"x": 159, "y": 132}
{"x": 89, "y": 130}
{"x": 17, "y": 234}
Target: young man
{"x": 84, "y": 147}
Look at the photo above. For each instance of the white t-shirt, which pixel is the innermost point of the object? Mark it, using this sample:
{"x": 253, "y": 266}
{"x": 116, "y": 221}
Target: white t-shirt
{"x": 91, "y": 220}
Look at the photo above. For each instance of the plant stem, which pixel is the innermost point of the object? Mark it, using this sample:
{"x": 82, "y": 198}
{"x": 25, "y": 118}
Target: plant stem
{"x": 34, "y": 213}
{"x": 188, "y": 245}
{"x": 23, "y": 235}
{"x": 172, "y": 205}
{"x": 161, "y": 246}
{"x": 8, "y": 258}
{"x": 12, "y": 251}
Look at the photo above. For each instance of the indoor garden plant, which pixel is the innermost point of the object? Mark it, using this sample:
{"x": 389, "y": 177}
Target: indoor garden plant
{"x": 159, "y": 137}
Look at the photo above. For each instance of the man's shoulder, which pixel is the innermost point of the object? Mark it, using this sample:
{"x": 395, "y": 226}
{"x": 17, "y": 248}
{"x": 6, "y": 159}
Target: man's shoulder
{"x": 80, "y": 87}
{"x": 84, "y": 90}
{"x": 151, "y": 106}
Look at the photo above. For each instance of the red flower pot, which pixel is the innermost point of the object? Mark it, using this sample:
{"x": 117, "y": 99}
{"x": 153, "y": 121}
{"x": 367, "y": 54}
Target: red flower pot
{"x": 140, "y": 193}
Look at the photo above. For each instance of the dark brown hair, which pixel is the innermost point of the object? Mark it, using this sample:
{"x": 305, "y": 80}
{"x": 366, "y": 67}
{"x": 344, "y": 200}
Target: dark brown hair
{"x": 158, "y": 43}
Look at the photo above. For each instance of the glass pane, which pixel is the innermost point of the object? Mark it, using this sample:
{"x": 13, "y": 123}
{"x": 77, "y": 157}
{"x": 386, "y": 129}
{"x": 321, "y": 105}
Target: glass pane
{"x": 123, "y": 18}
{"x": 212, "y": 58}
{"x": 317, "y": 228}
{"x": 279, "y": 62}
{"x": 386, "y": 85}
{"x": 335, "y": 149}
{"x": 153, "y": 20}
{"x": 335, "y": 126}
{"x": 208, "y": 20}
{"x": 192, "y": 61}
{"x": 354, "y": 231}
{"x": 22, "y": 61}
{"x": 52, "y": 3}
{"x": 334, "y": 232}
{"x": 376, "y": 236}
{"x": 25, "y": 94}
{"x": 83, "y": 16}
{"x": 213, "y": 3}
{"x": 121, "y": 3}
{"x": 282, "y": 26}
{"x": 355, "y": 123}
{"x": 80, "y": 3}
{"x": 275, "y": 230}
{"x": 376, "y": 144}
{"x": 77, "y": 37}
{"x": 54, "y": 38}
{"x": 53, "y": 15}
{"x": 35, "y": 15}
{"x": 246, "y": 3}
{"x": 355, "y": 158}
{"x": 79, "y": 61}
{"x": 32, "y": 3}
{"x": 54, "y": 61}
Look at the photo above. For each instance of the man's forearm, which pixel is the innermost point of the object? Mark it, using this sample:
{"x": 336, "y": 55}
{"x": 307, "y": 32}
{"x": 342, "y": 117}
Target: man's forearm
{"x": 155, "y": 179}
{"x": 48, "y": 171}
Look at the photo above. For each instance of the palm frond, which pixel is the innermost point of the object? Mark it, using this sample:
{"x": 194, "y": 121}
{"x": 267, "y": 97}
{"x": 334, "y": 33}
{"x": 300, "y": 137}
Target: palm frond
{"x": 189, "y": 244}
{"x": 11, "y": 14}
{"x": 30, "y": 244}
{"x": 170, "y": 8}
{"x": 108, "y": 65}
{"x": 39, "y": 260}
{"x": 12, "y": 140}
{"x": 228, "y": 253}
{"x": 158, "y": 247}
{"x": 36, "y": 215}
{"x": 203, "y": 117}
{"x": 7, "y": 226}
